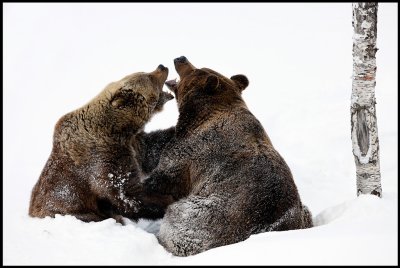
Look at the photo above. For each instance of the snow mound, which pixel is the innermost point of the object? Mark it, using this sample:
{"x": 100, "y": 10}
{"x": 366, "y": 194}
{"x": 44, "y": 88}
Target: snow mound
{"x": 66, "y": 240}
{"x": 363, "y": 225}
{"x": 366, "y": 223}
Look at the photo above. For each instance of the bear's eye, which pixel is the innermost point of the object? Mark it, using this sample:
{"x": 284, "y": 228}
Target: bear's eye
{"x": 117, "y": 102}
{"x": 127, "y": 99}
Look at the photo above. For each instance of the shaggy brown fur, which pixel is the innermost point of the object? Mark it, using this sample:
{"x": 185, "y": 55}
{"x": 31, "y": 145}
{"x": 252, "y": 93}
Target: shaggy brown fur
{"x": 93, "y": 171}
{"x": 222, "y": 167}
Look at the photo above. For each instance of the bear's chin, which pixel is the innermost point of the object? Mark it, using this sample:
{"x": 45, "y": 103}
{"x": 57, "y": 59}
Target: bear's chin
{"x": 172, "y": 85}
{"x": 164, "y": 97}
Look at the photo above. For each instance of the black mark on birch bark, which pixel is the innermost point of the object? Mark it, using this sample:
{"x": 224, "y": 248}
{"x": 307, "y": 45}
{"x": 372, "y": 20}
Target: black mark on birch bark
{"x": 362, "y": 132}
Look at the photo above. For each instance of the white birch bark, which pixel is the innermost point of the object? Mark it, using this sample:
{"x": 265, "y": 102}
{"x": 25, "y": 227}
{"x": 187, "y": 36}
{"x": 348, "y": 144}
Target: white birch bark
{"x": 364, "y": 131}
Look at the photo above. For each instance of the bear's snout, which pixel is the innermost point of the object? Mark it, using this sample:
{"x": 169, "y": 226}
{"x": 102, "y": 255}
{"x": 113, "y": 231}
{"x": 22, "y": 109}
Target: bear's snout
{"x": 160, "y": 74}
{"x": 181, "y": 59}
{"x": 162, "y": 67}
{"x": 183, "y": 66}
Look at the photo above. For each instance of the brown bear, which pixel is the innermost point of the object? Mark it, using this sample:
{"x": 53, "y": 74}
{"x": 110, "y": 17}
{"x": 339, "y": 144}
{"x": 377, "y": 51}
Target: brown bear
{"x": 229, "y": 180}
{"x": 99, "y": 152}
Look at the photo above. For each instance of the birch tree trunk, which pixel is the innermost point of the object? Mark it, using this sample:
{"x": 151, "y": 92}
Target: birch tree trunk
{"x": 364, "y": 131}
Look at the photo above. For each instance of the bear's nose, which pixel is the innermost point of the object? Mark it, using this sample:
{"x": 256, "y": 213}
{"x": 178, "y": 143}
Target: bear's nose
{"x": 181, "y": 59}
{"x": 162, "y": 67}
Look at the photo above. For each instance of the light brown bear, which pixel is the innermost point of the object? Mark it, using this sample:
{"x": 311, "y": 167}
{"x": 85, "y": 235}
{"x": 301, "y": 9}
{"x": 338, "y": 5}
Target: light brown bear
{"x": 229, "y": 180}
{"x": 94, "y": 168}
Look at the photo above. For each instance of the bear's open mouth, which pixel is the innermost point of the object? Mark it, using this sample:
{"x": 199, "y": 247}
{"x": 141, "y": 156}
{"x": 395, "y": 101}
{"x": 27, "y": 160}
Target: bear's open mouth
{"x": 167, "y": 95}
{"x": 172, "y": 85}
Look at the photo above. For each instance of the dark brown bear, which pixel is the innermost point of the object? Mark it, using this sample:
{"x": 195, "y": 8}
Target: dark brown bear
{"x": 95, "y": 166}
{"x": 222, "y": 167}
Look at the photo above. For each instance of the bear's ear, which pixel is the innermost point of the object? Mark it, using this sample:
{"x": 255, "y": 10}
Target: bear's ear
{"x": 212, "y": 84}
{"x": 241, "y": 81}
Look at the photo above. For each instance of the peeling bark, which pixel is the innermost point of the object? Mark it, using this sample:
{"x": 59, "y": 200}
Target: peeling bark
{"x": 364, "y": 131}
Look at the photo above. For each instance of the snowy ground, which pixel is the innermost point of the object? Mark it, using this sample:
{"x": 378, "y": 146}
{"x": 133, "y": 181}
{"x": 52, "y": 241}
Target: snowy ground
{"x": 298, "y": 58}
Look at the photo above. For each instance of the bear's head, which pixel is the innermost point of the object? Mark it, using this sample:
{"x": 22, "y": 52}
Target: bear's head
{"x": 126, "y": 105}
{"x": 205, "y": 82}
{"x": 114, "y": 116}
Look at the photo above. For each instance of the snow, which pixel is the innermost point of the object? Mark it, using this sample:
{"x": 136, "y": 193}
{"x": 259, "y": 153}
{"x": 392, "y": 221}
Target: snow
{"x": 298, "y": 58}
{"x": 357, "y": 232}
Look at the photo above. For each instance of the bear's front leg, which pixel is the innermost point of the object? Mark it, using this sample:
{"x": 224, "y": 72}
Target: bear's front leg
{"x": 117, "y": 193}
{"x": 151, "y": 147}
{"x": 160, "y": 182}
{"x": 154, "y": 205}
{"x": 172, "y": 181}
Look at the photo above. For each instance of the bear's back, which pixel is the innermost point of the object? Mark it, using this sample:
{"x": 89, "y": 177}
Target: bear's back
{"x": 235, "y": 158}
